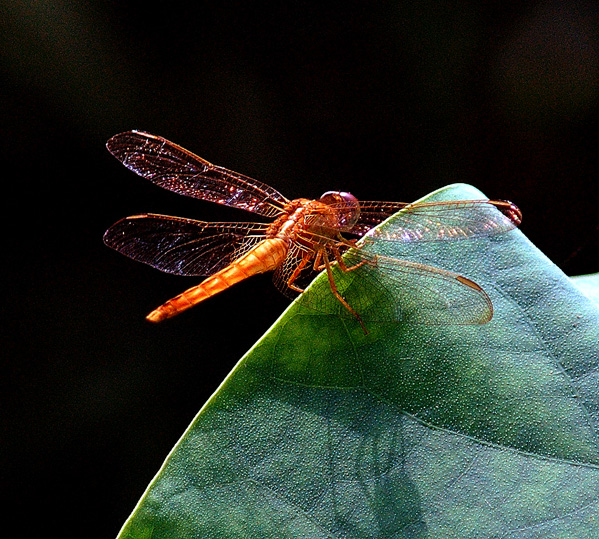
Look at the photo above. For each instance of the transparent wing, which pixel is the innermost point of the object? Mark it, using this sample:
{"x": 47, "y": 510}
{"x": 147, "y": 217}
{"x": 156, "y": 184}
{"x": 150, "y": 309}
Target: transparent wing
{"x": 432, "y": 221}
{"x": 297, "y": 253}
{"x": 174, "y": 168}
{"x": 182, "y": 246}
{"x": 386, "y": 290}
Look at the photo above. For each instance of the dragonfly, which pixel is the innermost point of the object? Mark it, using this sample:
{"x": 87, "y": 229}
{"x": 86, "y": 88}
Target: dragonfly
{"x": 299, "y": 238}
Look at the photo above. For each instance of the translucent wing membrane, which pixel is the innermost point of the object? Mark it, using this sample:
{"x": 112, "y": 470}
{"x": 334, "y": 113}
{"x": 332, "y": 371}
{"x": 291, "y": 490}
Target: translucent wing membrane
{"x": 172, "y": 167}
{"x": 432, "y": 221}
{"x": 388, "y": 290}
{"x": 302, "y": 278}
{"x": 182, "y": 246}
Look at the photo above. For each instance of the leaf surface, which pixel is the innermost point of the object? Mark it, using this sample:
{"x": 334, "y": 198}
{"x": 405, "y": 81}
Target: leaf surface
{"x": 588, "y": 285}
{"x": 415, "y": 431}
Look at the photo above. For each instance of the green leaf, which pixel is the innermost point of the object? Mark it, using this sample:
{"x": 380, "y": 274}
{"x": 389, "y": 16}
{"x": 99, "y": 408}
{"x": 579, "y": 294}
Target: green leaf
{"x": 588, "y": 285}
{"x": 410, "y": 431}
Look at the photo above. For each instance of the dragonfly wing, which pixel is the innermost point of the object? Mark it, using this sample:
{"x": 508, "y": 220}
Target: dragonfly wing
{"x": 182, "y": 246}
{"x": 389, "y": 290}
{"x": 433, "y": 221}
{"x": 374, "y": 213}
{"x": 174, "y": 168}
{"x": 303, "y": 274}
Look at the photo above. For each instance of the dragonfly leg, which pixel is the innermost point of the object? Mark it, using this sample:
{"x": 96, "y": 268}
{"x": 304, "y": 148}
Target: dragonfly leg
{"x": 304, "y": 261}
{"x": 341, "y": 263}
{"x": 336, "y": 293}
{"x": 318, "y": 263}
{"x": 345, "y": 241}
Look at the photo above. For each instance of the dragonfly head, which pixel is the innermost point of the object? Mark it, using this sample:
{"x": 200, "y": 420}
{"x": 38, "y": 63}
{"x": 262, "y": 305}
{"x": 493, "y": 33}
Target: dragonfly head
{"x": 346, "y": 204}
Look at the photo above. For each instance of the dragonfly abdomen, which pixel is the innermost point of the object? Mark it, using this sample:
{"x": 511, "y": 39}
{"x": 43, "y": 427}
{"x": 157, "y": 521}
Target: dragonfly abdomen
{"x": 268, "y": 255}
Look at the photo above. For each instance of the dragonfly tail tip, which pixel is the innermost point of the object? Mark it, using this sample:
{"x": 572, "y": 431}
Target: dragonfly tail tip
{"x": 155, "y": 316}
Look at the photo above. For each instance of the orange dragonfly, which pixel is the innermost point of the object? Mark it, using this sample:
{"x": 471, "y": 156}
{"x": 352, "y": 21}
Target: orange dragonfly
{"x": 304, "y": 237}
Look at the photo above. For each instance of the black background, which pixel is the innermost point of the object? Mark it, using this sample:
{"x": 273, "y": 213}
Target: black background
{"x": 387, "y": 100}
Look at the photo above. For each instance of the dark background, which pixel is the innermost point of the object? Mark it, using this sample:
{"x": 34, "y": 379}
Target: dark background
{"x": 387, "y": 100}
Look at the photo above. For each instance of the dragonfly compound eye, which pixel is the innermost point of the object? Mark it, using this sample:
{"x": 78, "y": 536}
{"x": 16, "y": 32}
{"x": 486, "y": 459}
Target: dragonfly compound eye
{"x": 346, "y": 204}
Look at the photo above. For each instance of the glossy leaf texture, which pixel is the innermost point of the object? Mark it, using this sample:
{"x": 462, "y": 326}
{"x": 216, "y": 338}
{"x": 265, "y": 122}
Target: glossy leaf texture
{"x": 411, "y": 431}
